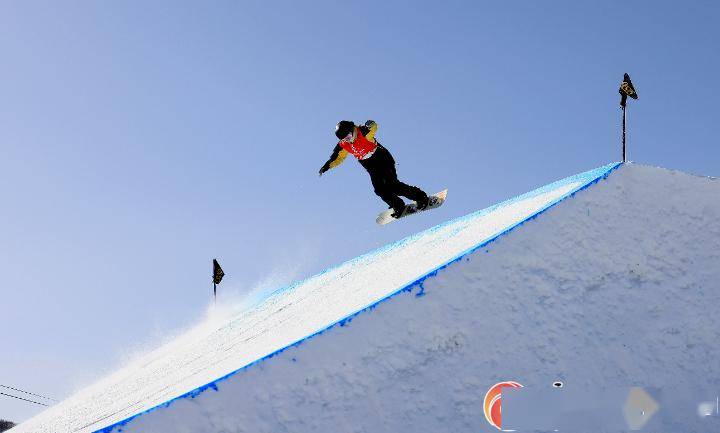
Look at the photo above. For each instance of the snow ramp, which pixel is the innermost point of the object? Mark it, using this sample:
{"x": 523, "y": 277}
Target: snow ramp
{"x": 615, "y": 286}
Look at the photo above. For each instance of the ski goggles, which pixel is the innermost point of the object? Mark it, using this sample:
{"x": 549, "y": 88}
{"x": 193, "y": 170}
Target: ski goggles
{"x": 349, "y": 138}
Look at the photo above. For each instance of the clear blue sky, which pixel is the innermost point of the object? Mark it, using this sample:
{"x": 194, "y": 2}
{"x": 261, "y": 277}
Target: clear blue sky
{"x": 139, "y": 139}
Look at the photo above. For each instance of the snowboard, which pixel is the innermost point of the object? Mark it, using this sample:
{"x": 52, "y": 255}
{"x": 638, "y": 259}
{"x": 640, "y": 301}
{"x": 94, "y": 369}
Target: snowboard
{"x": 436, "y": 200}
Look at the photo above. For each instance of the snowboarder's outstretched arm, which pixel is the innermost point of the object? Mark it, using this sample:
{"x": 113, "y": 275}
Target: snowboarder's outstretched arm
{"x": 337, "y": 157}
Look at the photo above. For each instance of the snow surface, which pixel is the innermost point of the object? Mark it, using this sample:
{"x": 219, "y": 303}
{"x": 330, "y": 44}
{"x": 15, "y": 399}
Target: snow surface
{"x": 617, "y": 286}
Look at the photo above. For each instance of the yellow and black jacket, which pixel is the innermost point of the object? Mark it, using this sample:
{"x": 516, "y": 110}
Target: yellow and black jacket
{"x": 339, "y": 154}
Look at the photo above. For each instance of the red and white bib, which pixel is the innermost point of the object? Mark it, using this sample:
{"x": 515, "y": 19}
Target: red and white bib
{"x": 361, "y": 148}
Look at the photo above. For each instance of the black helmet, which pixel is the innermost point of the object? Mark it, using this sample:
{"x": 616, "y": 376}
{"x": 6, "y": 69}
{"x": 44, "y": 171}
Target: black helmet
{"x": 343, "y": 128}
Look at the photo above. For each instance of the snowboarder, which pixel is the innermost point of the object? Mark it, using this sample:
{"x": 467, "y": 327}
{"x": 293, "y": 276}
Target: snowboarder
{"x": 361, "y": 143}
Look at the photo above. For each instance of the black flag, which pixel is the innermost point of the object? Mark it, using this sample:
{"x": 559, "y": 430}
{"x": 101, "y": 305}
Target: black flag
{"x": 626, "y": 89}
{"x": 218, "y": 273}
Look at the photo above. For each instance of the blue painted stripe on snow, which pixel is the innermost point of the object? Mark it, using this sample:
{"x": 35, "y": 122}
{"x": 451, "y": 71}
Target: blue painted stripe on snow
{"x": 586, "y": 178}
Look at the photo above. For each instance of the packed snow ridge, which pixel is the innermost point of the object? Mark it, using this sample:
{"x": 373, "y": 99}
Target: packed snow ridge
{"x": 611, "y": 280}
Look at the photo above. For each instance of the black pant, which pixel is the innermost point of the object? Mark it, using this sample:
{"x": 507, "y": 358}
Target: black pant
{"x": 381, "y": 167}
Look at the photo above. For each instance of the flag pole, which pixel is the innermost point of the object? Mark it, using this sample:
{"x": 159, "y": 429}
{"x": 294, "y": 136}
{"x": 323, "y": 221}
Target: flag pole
{"x": 626, "y": 89}
{"x": 624, "y": 152}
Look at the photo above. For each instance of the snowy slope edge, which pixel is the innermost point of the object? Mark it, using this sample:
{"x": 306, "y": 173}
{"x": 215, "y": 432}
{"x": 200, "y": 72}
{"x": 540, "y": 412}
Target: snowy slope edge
{"x": 584, "y": 180}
